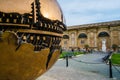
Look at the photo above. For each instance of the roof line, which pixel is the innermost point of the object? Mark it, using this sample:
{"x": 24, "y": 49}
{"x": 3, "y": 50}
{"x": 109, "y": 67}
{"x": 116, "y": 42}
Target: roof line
{"x": 116, "y": 22}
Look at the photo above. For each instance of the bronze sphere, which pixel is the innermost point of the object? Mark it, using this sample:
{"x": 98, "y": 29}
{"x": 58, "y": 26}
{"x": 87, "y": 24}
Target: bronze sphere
{"x": 30, "y": 36}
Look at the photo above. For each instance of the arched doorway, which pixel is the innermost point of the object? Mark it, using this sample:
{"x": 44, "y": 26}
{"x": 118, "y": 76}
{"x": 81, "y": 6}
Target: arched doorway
{"x": 103, "y": 41}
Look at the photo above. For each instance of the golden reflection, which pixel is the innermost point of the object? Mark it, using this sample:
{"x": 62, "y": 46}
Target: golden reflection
{"x": 46, "y": 15}
{"x": 24, "y": 6}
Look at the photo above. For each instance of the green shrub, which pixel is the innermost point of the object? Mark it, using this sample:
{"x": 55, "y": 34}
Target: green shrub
{"x": 64, "y": 54}
{"x": 78, "y": 53}
{"x": 116, "y": 59}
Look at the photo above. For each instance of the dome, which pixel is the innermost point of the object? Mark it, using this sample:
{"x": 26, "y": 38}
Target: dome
{"x": 48, "y": 8}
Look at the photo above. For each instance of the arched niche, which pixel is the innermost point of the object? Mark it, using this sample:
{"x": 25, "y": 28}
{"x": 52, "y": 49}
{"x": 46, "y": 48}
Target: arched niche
{"x": 65, "y": 37}
{"x": 103, "y": 34}
{"x": 82, "y": 35}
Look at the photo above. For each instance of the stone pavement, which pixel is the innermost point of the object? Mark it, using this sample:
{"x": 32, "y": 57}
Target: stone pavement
{"x": 84, "y": 67}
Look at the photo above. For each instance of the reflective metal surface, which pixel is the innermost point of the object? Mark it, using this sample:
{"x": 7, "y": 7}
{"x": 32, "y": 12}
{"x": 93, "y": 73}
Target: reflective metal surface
{"x": 30, "y": 36}
{"x": 49, "y": 8}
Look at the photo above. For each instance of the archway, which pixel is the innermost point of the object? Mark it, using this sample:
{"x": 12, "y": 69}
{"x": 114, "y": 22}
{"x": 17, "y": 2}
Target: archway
{"x": 82, "y": 38}
{"x": 65, "y": 37}
{"x": 65, "y": 41}
{"x": 103, "y": 34}
{"x": 82, "y": 35}
{"x": 103, "y": 39}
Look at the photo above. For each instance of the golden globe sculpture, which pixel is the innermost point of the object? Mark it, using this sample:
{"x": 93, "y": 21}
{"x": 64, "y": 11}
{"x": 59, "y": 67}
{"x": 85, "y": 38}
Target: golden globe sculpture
{"x": 30, "y": 36}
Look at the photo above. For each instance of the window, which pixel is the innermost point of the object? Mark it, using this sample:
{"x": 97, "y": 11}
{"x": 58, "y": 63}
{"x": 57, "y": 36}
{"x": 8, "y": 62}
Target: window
{"x": 82, "y": 35}
{"x": 103, "y": 34}
{"x": 65, "y": 37}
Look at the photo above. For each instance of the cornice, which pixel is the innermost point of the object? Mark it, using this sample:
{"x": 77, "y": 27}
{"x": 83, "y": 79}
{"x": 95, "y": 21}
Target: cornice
{"x": 95, "y": 25}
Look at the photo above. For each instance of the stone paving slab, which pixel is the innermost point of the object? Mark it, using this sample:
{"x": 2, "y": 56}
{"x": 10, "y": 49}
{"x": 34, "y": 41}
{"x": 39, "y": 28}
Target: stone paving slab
{"x": 62, "y": 73}
{"x": 79, "y": 71}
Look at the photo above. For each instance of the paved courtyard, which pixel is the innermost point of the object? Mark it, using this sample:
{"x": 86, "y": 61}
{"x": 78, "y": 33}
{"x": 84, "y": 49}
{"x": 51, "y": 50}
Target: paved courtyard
{"x": 84, "y": 67}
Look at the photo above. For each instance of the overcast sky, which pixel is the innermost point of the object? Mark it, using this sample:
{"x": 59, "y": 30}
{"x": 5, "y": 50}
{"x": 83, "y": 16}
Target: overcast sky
{"x": 79, "y": 12}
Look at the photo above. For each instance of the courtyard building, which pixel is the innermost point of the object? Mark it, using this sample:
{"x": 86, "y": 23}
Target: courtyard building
{"x": 99, "y": 36}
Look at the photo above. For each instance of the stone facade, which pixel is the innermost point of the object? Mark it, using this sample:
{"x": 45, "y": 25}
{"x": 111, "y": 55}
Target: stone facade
{"x": 92, "y": 35}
